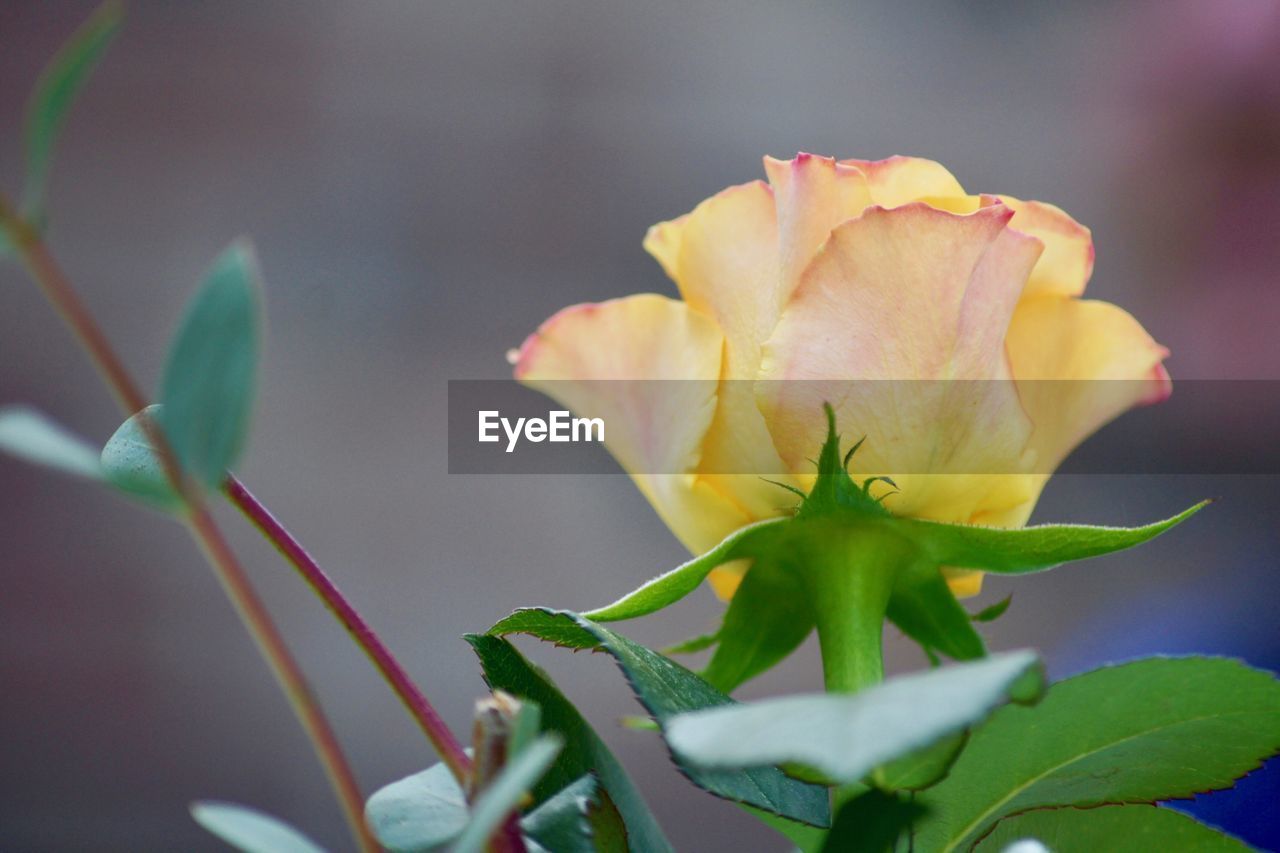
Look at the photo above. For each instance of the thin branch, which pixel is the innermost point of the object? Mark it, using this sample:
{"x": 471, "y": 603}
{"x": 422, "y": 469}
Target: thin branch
{"x": 235, "y": 582}
{"x": 450, "y": 750}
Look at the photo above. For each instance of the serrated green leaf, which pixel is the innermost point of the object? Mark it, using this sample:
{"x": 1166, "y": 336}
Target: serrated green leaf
{"x": 502, "y": 796}
{"x": 845, "y": 737}
{"x": 419, "y": 813}
{"x": 131, "y": 464}
{"x": 1115, "y": 829}
{"x": 1149, "y": 730}
{"x": 207, "y": 390}
{"x": 548, "y": 626}
{"x": 506, "y": 669}
{"x": 924, "y": 767}
{"x": 668, "y": 588}
{"x": 562, "y": 824}
{"x": 871, "y": 823}
{"x": 1027, "y": 549}
{"x": 250, "y": 830}
{"x": 924, "y": 608}
{"x": 993, "y": 612}
{"x": 767, "y": 618}
{"x": 33, "y": 437}
{"x": 666, "y": 689}
{"x": 54, "y": 92}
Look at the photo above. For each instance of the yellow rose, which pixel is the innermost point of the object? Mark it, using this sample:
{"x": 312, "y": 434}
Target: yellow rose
{"x": 851, "y": 269}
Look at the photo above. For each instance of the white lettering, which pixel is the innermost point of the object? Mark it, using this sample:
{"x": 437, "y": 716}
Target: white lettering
{"x": 587, "y": 425}
{"x": 559, "y": 426}
{"x": 513, "y": 435}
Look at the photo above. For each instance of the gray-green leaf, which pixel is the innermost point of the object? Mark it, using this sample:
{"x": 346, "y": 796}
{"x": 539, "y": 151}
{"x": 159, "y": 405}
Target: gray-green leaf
{"x": 33, "y": 437}
{"x": 846, "y": 737}
{"x": 563, "y": 823}
{"x": 54, "y": 92}
{"x": 418, "y": 813}
{"x": 250, "y": 830}
{"x": 208, "y": 385}
{"x": 502, "y": 796}
{"x": 131, "y": 464}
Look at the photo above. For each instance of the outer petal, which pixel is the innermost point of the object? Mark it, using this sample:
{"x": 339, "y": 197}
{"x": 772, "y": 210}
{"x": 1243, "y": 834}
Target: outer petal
{"x": 900, "y": 180}
{"x": 1113, "y": 362}
{"x": 724, "y": 258}
{"x": 909, "y": 294}
{"x": 1067, "y": 262}
{"x": 654, "y": 429}
{"x": 814, "y": 195}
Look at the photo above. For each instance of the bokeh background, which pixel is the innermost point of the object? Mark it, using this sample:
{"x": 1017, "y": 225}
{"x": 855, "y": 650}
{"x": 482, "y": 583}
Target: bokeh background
{"x": 426, "y": 181}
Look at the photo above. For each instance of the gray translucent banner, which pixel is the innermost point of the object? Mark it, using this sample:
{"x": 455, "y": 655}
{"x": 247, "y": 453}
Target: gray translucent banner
{"x": 911, "y": 426}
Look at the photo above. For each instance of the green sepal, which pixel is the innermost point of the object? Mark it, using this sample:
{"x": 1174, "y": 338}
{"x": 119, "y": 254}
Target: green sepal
{"x": 767, "y": 618}
{"x": 838, "y": 513}
{"x": 994, "y": 611}
{"x": 670, "y": 587}
{"x": 693, "y": 645}
{"x": 924, "y": 608}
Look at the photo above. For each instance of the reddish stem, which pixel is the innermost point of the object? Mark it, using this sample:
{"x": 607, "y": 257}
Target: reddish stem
{"x": 235, "y": 581}
{"x": 450, "y": 750}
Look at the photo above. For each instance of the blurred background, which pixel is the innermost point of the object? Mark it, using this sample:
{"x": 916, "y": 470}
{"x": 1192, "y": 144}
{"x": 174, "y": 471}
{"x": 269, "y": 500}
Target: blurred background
{"x": 426, "y": 182}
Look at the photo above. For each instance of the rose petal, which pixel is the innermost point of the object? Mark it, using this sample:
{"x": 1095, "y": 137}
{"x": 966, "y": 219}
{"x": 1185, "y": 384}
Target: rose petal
{"x": 914, "y": 293}
{"x": 813, "y": 195}
{"x": 1067, "y": 262}
{"x": 1115, "y": 364}
{"x": 899, "y": 180}
{"x": 654, "y": 429}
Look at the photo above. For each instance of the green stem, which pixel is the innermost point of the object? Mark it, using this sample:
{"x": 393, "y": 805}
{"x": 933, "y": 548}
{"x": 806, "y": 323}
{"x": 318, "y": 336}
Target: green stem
{"x": 849, "y": 574}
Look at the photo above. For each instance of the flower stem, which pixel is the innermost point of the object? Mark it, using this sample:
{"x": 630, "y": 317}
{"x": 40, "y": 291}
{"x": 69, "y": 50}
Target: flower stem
{"x": 231, "y": 575}
{"x": 849, "y": 574}
{"x": 450, "y": 750}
